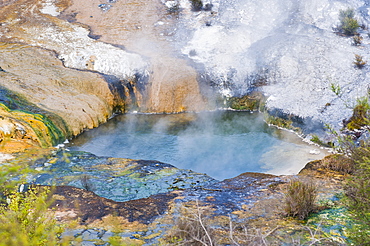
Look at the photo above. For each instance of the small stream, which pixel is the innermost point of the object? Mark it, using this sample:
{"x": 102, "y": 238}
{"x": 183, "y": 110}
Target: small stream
{"x": 222, "y": 144}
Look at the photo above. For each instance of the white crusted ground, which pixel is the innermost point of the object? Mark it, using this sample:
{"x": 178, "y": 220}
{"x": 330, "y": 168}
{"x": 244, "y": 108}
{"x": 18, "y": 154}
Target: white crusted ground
{"x": 291, "y": 43}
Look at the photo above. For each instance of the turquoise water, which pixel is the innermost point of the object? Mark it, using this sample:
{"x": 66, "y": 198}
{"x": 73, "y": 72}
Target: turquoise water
{"x": 222, "y": 144}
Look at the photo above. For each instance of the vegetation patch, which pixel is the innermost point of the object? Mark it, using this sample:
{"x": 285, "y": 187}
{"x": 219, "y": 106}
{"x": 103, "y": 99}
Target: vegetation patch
{"x": 300, "y": 199}
{"x": 348, "y": 23}
{"x": 251, "y": 102}
{"x": 25, "y": 220}
{"x": 361, "y": 115}
{"x": 281, "y": 122}
{"x": 315, "y": 139}
{"x": 339, "y": 163}
{"x": 358, "y": 197}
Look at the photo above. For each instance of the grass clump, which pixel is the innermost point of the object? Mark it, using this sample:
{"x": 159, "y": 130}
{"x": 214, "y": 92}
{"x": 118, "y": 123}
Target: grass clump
{"x": 359, "y": 61}
{"x": 300, "y": 199}
{"x": 339, "y": 163}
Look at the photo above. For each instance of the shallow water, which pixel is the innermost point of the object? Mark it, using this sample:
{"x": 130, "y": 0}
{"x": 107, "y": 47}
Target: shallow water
{"x": 222, "y": 144}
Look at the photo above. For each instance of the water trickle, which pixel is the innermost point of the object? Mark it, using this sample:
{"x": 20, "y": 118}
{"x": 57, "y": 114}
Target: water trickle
{"x": 222, "y": 144}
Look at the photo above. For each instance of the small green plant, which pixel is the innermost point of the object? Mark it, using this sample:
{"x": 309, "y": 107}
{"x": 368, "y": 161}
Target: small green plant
{"x": 348, "y": 23}
{"x": 300, "y": 199}
{"x": 359, "y": 61}
{"x": 336, "y": 89}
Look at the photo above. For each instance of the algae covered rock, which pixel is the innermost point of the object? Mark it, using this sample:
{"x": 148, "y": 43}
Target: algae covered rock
{"x": 116, "y": 178}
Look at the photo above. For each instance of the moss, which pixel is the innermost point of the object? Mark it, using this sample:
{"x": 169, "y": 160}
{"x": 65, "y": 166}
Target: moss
{"x": 361, "y": 115}
{"x": 279, "y": 122}
{"x": 250, "y": 102}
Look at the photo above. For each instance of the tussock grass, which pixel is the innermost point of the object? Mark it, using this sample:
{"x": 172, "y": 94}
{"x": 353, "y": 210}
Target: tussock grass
{"x": 300, "y": 199}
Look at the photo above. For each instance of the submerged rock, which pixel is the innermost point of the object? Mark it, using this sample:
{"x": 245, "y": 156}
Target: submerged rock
{"x": 115, "y": 178}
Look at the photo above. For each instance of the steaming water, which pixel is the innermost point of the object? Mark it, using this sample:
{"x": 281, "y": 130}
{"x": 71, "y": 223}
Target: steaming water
{"x": 222, "y": 144}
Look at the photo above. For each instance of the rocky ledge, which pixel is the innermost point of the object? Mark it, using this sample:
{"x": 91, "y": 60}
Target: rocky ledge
{"x": 143, "y": 201}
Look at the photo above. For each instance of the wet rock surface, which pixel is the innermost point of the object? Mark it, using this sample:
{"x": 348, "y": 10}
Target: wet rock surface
{"x": 144, "y": 213}
{"x": 114, "y": 178}
{"x": 89, "y": 207}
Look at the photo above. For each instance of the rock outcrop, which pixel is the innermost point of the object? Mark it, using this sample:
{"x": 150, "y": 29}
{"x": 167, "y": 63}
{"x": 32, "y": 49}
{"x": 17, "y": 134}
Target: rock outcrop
{"x": 46, "y": 101}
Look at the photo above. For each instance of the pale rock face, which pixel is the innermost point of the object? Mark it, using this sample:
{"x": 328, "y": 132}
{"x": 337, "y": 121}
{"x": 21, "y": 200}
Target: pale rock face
{"x": 38, "y": 26}
{"x": 7, "y": 128}
{"x": 145, "y": 27}
{"x": 49, "y": 8}
{"x": 77, "y": 50}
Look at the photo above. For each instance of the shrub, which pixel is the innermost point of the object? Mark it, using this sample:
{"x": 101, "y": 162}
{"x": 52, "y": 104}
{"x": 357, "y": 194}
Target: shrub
{"x": 359, "y": 61}
{"x": 358, "y": 197}
{"x": 25, "y": 221}
{"x": 300, "y": 199}
{"x": 24, "y": 216}
{"x": 348, "y": 24}
{"x": 192, "y": 227}
{"x": 339, "y": 163}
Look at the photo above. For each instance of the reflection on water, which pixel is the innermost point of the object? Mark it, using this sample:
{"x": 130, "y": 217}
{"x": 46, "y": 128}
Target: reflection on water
{"x": 222, "y": 144}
